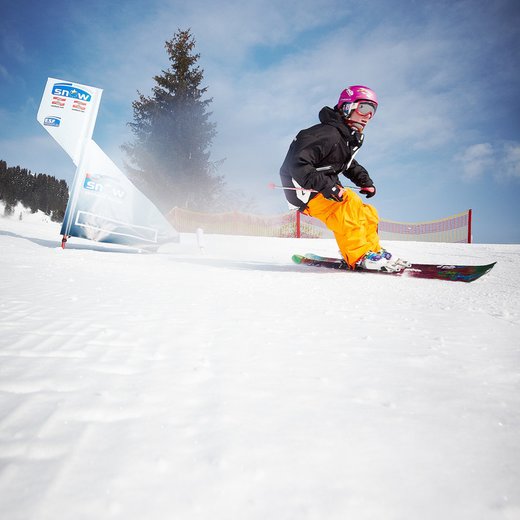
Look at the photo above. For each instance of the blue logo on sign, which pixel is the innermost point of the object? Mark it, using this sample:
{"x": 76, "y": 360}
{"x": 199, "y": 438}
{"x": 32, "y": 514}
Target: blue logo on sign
{"x": 70, "y": 91}
{"x": 103, "y": 184}
{"x": 52, "y": 121}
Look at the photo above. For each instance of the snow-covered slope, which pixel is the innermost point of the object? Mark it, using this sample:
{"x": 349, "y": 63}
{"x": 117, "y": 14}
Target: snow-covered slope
{"x": 231, "y": 384}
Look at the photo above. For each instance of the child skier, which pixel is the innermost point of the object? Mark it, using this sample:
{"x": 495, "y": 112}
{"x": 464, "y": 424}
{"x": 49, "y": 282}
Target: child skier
{"x": 314, "y": 161}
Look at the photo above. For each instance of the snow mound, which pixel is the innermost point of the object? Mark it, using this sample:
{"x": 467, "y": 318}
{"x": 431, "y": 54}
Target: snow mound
{"x": 20, "y": 212}
{"x": 227, "y": 382}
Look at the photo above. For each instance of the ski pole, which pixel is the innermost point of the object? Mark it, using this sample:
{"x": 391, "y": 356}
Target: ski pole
{"x": 274, "y": 186}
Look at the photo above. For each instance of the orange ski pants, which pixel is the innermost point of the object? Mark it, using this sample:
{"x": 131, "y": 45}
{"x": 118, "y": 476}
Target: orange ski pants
{"x": 353, "y": 223}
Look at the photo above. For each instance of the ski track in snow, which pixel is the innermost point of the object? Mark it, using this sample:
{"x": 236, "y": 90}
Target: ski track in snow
{"x": 231, "y": 383}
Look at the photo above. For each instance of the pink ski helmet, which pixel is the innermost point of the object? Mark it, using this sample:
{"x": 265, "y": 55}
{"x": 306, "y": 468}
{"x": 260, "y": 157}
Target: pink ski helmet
{"x": 354, "y": 94}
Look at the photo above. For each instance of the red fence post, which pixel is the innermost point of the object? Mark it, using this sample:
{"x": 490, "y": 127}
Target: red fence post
{"x": 298, "y": 228}
{"x": 470, "y": 214}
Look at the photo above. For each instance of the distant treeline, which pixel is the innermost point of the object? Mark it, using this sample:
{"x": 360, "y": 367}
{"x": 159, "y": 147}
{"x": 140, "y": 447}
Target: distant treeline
{"x": 35, "y": 191}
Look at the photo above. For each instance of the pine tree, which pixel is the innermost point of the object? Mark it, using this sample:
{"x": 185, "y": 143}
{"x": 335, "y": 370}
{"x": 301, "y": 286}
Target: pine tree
{"x": 170, "y": 158}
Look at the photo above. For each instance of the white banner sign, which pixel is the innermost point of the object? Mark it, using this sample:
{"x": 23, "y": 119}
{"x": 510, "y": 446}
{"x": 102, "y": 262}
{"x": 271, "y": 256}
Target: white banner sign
{"x": 103, "y": 204}
{"x": 68, "y": 111}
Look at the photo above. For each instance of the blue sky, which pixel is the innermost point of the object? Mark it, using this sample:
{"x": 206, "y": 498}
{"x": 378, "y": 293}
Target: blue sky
{"x": 446, "y": 136}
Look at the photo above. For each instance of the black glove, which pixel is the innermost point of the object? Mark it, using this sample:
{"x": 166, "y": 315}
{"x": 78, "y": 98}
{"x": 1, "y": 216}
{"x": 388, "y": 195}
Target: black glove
{"x": 333, "y": 192}
{"x": 369, "y": 191}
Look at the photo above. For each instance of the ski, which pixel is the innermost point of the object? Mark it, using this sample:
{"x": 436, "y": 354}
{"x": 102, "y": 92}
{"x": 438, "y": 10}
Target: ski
{"x": 451, "y": 273}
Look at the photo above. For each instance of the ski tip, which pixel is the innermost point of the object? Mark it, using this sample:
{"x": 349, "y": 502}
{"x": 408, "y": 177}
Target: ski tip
{"x": 297, "y": 259}
{"x": 488, "y": 267}
{"x": 484, "y": 269}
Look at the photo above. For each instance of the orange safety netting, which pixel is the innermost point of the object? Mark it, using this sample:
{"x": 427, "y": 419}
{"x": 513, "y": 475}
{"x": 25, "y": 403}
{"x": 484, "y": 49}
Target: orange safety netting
{"x": 456, "y": 228}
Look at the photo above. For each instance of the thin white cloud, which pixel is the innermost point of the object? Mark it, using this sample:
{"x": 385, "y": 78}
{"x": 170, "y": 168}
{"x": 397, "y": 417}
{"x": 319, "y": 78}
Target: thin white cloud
{"x": 511, "y": 160}
{"x": 477, "y": 161}
{"x": 498, "y": 161}
{"x": 11, "y": 44}
{"x": 4, "y": 73}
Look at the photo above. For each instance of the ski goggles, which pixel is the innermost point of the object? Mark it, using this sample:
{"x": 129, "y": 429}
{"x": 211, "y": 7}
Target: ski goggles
{"x": 364, "y": 108}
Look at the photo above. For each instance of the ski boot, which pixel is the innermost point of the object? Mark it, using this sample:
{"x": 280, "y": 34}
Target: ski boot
{"x": 399, "y": 261}
{"x": 376, "y": 262}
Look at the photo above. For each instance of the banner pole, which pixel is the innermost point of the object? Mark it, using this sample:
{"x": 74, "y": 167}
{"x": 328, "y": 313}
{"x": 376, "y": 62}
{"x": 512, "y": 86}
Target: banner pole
{"x": 470, "y": 216}
{"x": 87, "y": 137}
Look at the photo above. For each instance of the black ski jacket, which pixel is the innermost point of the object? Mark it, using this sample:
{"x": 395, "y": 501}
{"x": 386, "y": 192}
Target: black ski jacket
{"x": 318, "y": 155}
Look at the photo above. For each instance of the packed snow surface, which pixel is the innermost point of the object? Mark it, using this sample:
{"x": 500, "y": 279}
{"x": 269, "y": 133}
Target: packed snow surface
{"x": 225, "y": 382}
